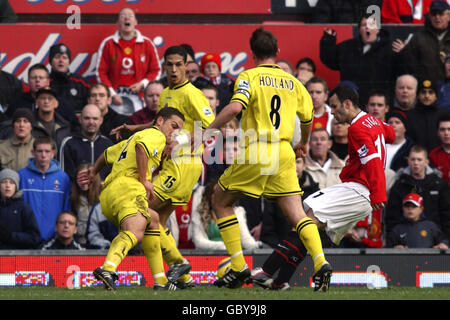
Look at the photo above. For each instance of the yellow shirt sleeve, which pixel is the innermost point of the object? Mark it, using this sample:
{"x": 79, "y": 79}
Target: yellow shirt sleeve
{"x": 242, "y": 90}
{"x": 153, "y": 142}
{"x": 112, "y": 153}
{"x": 202, "y": 108}
{"x": 305, "y": 108}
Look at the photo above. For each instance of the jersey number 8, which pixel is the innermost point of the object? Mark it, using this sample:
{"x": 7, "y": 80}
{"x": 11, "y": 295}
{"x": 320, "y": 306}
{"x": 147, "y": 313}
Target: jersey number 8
{"x": 275, "y": 105}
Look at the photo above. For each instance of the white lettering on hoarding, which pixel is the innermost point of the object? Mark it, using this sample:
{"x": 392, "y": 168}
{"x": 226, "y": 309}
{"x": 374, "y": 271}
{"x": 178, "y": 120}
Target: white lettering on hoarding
{"x": 19, "y": 65}
{"x": 433, "y": 278}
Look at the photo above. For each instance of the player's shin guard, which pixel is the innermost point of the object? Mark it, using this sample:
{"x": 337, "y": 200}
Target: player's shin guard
{"x": 286, "y": 257}
{"x": 231, "y": 236}
{"x": 170, "y": 252}
{"x": 294, "y": 253}
{"x": 309, "y": 235}
{"x": 151, "y": 245}
{"x": 121, "y": 244}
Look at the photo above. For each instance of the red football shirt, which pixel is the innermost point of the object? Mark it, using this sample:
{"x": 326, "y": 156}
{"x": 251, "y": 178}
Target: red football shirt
{"x": 440, "y": 159}
{"x": 128, "y": 65}
{"x": 367, "y": 154}
{"x": 320, "y": 122}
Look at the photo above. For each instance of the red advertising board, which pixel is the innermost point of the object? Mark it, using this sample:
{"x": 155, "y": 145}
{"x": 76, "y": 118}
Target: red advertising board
{"x": 26, "y": 44}
{"x": 76, "y": 271}
{"x": 144, "y": 6}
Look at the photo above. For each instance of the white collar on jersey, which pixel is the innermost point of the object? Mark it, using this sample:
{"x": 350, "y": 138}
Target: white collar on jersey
{"x": 359, "y": 115}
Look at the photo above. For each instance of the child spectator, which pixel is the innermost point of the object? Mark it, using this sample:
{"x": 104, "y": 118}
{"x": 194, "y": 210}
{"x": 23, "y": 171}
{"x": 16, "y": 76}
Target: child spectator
{"x": 211, "y": 67}
{"x": 416, "y": 231}
{"x": 18, "y": 226}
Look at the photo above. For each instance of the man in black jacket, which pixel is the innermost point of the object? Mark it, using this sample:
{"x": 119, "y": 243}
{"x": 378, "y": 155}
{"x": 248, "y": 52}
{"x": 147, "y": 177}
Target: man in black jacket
{"x": 38, "y": 77}
{"x": 47, "y": 119}
{"x": 423, "y": 53}
{"x": 359, "y": 59}
{"x": 66, "y": 84}
{"x": 423, "y": 118}
{"x": 86, "y": 145}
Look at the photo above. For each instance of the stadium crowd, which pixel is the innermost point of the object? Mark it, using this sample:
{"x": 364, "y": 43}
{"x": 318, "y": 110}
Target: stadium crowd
{"x": 55, "y": 127}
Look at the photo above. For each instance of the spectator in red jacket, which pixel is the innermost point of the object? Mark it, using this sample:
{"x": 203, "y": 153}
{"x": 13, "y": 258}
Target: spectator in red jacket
{"x": 127, "y": 60}
{"x": 440, "y": 156}
{"x": 404, "y": 11}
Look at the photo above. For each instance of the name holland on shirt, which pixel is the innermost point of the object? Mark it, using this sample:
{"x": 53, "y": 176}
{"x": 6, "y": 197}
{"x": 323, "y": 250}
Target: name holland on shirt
{"x": 282, "y": 83}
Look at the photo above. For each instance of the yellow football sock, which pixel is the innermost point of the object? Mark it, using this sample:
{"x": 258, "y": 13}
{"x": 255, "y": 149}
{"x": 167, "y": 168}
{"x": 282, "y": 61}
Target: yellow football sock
{"x": 121, "y": 244}
{"x": 170, "y": 251}
{"x": 309, "y": 235}
{"x": 151, "y": 245}
{"x": 231, "y": 236}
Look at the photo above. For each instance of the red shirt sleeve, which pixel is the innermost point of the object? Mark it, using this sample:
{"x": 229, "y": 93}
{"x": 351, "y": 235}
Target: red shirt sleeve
{"x": 389, "y": 134}
{"x": 104, "y": 63}
{"x": 371, "y": 162}
{"x": 154, "y": 68}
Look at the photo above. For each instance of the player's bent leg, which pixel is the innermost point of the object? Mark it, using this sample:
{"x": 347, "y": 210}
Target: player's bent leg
{"x": 151, "y": 245}
{"x": 305, "y": 227}
{"x": 228, "y": 225}
{"x": 132, "y": 231}
{"x": 319, "y": 224}
{"x": 286, "y": 257}
{"x": 179, "y": 267}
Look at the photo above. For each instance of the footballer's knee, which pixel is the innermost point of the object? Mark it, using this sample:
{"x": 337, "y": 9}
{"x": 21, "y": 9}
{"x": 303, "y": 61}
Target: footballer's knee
{"x": 154, "y": 219}
{"x": 310, "y": 214}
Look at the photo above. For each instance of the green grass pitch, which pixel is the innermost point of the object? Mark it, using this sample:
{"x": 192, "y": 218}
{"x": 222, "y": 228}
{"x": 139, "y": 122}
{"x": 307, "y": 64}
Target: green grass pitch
{"x": 213, "y": 293}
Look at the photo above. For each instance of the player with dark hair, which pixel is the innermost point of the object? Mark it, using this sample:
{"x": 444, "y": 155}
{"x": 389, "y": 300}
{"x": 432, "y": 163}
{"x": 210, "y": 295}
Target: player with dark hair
{"x": 128, "y": 188}
{"x": 175, "y": 181}
{"x": 269, "y": 99}
{"x": 336, "y": 209}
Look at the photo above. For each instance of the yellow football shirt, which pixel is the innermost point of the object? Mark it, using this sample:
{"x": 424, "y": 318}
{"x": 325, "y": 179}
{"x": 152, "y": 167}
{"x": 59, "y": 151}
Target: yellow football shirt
{"x": 191, "y": 102}
{"x": 271, "y": 98}
{"x": 122, "y": 156}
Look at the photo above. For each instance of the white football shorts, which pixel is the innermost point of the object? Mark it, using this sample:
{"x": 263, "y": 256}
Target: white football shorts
{"x": 340, "y": 206}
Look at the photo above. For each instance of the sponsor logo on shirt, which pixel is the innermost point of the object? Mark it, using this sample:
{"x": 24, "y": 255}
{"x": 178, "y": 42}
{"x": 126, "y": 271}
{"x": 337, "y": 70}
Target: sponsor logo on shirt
{"x": 207, "y": 111}
{"x": 244, "y": 84}
{"x": 363, "y": 151}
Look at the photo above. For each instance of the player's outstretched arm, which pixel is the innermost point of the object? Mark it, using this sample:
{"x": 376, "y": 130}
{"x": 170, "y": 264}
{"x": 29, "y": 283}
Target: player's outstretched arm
{"x": 129, "y": 128}
{"x": 226, "y": 115}
{"x": 301, "y": 148}
{"x": 230, "y": 111}
{"x": 99, "y": 164}
{"x": 141, "y": 162}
